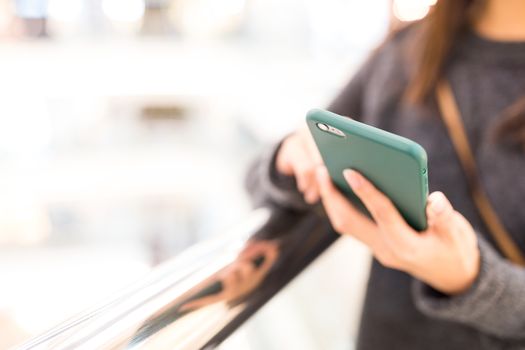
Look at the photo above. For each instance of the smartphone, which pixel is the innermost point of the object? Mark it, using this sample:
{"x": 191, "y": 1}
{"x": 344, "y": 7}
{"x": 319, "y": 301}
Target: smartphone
{"x": 396, "y": 165}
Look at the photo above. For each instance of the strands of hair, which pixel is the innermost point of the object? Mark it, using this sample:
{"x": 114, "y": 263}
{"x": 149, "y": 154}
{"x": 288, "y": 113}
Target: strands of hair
{"x": 447, "y": 20}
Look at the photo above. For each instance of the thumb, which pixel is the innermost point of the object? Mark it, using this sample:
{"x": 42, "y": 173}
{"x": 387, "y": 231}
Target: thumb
{"x": 439, "y": 211}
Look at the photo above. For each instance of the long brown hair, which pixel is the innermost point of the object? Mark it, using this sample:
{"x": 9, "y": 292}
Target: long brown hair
{"x": 447, "y": 20}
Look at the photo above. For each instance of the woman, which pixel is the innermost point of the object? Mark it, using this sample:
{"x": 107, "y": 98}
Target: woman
{"x": 448, "y": 287}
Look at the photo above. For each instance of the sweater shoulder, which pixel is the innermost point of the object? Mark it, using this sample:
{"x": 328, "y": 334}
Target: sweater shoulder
{"x": 396, "y": 49}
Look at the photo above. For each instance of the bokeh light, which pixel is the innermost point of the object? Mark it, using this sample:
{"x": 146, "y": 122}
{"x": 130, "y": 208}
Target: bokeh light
{"x": 65, "y": 10}
{"x": 123, "y": 10}
{"x": 411, "y": 10}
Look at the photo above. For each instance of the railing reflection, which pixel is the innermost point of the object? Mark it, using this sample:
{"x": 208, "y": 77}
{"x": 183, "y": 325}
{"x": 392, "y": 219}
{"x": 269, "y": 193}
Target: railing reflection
{"x": 198, "y": 299}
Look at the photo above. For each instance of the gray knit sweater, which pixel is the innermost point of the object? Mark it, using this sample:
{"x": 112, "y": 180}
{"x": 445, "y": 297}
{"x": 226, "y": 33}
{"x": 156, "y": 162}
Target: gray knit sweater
{"x": 401, "y": 312}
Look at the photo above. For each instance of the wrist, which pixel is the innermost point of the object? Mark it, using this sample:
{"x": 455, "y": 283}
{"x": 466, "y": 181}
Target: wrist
{"x": 471, "y": 273}
{"x": 452, "y": 278}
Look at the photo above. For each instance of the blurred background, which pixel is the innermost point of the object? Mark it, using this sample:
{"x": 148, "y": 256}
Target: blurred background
{"x": 126, "y": 127}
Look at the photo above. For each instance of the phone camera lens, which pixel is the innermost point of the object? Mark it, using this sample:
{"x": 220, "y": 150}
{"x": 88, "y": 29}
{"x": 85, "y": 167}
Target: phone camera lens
{"x": 322, "y": 126}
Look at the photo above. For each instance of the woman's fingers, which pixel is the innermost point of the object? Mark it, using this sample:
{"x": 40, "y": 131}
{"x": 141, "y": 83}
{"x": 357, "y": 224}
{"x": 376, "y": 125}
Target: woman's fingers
{"x": 298, "y": 156}
{"x": 313, "y": 160}
{"x": 443, "y": 219}
{"x": 399, "y": 241}
{"x": 307, "y": 183}
{"x": 311, "y": 196}
{"x": 302, "y": 168}
{"x": 334, "y": 202}
{"x": 310, "y": 145}
{"x": 343, "y": 216}
{"x": 383, "y": 211}
{"x": 439, "y": 211}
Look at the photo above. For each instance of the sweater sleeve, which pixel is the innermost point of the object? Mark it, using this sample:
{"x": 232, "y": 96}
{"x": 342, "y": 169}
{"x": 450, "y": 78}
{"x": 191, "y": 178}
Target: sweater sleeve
{"x": 268, "y": 187}
{"x": 494, "y": 304}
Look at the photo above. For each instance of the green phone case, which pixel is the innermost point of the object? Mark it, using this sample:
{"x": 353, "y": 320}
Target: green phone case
{"x": 395, "y": 165}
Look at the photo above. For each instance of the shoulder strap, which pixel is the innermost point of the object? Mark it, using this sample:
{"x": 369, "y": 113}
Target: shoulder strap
{"x": 452, "y": 119}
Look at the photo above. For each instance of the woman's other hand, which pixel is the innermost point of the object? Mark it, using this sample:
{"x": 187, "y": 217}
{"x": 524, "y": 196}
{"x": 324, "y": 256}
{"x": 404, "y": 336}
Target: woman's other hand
{"x": 445, "y": 255}
{"x": 299, "y": 157}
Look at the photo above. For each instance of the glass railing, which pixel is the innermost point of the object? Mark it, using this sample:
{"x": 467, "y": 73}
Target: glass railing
{"x": 199, "y": 298}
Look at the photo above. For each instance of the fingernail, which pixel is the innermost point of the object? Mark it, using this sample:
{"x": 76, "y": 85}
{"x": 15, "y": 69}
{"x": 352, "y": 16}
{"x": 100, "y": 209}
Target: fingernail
{"x": 353, "y": 178}
{"x": 438, "y": 205}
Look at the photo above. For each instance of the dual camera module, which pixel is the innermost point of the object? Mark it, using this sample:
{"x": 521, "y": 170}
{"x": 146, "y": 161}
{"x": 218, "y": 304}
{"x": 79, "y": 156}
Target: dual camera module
{"x": 330, "y": 129}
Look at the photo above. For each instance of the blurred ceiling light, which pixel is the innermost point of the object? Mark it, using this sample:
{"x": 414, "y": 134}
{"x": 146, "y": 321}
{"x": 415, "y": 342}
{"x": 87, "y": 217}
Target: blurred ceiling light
{"x": 123, "y": 10}
{"x": 64, "y": 10}
{"x": 411, "y": 10}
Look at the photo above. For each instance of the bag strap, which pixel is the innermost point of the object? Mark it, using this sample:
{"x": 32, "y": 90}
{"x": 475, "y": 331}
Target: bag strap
{"x": 456, "y": 130}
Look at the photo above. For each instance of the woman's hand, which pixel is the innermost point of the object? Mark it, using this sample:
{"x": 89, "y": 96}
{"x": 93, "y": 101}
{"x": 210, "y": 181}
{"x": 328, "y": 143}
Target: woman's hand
{"x": 299, "y": 157}
{"x": 445, "y": 255}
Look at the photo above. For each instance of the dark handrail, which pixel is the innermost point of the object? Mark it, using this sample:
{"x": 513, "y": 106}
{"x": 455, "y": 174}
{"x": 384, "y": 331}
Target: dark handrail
{"x": 199, "y": 298}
